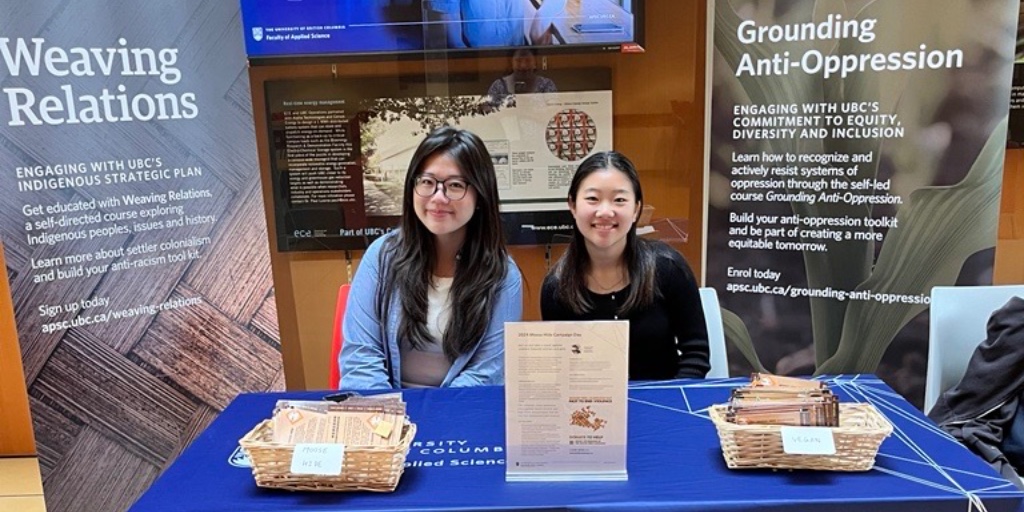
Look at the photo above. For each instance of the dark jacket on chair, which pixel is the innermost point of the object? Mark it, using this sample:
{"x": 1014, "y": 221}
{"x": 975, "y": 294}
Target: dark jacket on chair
{"x": 979, "y": 410}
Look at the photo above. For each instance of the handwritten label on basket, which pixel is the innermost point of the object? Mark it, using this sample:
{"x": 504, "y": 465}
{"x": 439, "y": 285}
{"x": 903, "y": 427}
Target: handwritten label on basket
{"x": 808, "y": 441}
{"x": 318, "y": 459}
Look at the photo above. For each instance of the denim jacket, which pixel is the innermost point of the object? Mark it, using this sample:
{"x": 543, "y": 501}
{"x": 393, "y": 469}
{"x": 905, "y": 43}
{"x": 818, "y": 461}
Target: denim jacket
{"x": 368, "y": 362}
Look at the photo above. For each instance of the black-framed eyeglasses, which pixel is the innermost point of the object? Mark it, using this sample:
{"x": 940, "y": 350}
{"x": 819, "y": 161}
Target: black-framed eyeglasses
{"x": 452, "y": 188}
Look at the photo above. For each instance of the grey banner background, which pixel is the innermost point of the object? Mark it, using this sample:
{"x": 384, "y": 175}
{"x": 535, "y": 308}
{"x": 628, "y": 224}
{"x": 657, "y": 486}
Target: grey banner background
{"x": 951, "y": 116}
{"x": 113, "y": 403}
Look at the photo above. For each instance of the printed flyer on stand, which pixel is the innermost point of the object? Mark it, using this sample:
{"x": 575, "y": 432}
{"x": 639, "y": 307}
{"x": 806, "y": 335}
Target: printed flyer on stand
{"x": 565, "y": 400}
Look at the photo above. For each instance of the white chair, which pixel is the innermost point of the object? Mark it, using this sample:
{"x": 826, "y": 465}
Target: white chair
{"x": 716, "y": 333}
{"x": 959, "y": 316}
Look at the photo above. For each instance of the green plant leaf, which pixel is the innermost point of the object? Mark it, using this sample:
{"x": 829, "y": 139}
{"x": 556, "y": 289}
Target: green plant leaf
{"x": 939, "y": 229}
{"x": 737, "y": 334}
{"x": 845, "y": 263}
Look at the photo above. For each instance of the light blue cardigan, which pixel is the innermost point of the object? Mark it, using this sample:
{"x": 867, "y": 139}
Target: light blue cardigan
{"x": 363, "y": 353}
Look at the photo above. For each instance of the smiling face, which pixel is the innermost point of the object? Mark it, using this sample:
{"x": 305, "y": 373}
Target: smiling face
{"x": 605, "y": 208}
{"x": 444, "y": 217}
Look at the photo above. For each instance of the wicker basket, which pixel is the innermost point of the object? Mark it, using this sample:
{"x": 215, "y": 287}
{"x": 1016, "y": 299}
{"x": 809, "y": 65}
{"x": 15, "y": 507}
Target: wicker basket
{"x": 857, "y": 438}
{"x": 365, "y": 468}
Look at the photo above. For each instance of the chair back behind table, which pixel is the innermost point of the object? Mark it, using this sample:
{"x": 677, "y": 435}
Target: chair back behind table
{"x": 716, "y": 333}
{"x": 958, "y": 320}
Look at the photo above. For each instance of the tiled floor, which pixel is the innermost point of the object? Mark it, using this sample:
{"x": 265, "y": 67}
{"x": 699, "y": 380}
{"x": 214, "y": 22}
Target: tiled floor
{"x": 21, "y": 488}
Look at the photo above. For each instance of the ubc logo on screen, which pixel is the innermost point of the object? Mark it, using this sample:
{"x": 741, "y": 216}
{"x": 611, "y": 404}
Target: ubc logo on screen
{"x": 257, "y": 33}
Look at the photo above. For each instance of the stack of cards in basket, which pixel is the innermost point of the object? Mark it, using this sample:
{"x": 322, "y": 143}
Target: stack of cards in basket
{"x": 776, "y": 400}
{"x": 358, "y": 421}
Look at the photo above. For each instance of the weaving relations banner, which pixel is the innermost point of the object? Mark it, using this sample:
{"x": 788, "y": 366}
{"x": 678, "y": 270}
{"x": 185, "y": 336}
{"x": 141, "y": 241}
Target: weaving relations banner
{"x": 134, "y": 230}
{"x": 856, "y": 153}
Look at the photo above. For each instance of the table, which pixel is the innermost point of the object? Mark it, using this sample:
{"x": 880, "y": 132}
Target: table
{"x": 674, "y": 463}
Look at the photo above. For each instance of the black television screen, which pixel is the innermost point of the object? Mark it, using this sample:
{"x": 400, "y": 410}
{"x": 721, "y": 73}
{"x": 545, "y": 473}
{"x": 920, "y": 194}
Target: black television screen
{"x": 291, "y": 28}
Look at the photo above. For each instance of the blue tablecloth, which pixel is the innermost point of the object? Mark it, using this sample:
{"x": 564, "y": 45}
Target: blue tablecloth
{"x": 674, "y": 463}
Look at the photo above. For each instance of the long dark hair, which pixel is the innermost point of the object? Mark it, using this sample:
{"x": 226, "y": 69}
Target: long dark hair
{"x": 482, "y": 262}
{"x": 570, "y": 272}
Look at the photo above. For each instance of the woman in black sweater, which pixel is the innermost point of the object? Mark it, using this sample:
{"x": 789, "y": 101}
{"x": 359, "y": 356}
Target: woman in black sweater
{"x": 609, "y": 273}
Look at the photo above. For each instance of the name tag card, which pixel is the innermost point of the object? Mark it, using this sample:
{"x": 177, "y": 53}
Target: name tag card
{"x": 808, "y": 441}
{"x": 318, "y": 459}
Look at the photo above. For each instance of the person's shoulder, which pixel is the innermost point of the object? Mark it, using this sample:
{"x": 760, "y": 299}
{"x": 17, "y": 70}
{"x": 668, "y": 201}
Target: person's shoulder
{"x": 547, "y": 85}
{"x": 550, "y": 279}
{"x": 378, "y": 245}
{"x": 551, "y": 282}
{"x": 513, "y": 273}
{"x": 499, "y": 87}
{"x": 667, "y": 258}
{"x": 659, "y": 249}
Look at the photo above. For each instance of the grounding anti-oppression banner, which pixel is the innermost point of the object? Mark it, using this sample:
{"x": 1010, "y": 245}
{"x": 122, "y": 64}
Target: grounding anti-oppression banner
{"x": 855, "y": 161}
{"x": 1015, "y": 135}
{"x": 133, "y": 225}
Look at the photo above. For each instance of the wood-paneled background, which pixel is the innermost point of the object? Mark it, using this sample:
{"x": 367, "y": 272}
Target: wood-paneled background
{"x": 15, "y": 423}
{"x": 1010, "y": 245}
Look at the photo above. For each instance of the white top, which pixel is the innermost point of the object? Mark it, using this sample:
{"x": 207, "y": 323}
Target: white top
{"x": 427, "y": 365}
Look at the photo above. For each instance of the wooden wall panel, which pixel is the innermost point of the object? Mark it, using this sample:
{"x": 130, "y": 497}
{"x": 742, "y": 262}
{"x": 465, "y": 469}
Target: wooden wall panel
{"x": 1009, "y": 266}
{"x": 15, "y": 423}
{"x": 315, "y": 298}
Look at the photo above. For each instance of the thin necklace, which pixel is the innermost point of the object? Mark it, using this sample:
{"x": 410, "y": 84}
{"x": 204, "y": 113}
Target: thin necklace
{"x": 602, "y": 288}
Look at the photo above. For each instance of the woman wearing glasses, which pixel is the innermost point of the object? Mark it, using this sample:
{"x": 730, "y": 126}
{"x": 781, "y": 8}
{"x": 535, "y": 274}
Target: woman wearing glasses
{"x": 609, "y": 273}
{"x": 429, "y": 301}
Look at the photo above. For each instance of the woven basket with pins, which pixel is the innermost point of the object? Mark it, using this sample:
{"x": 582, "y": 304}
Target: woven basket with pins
{"x": 364, "y": 468}
{"x": 860, "y": 432}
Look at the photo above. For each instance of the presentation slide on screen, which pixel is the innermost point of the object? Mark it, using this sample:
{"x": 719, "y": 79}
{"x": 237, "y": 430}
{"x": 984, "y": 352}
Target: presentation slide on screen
{"x": 320, "y": 27}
